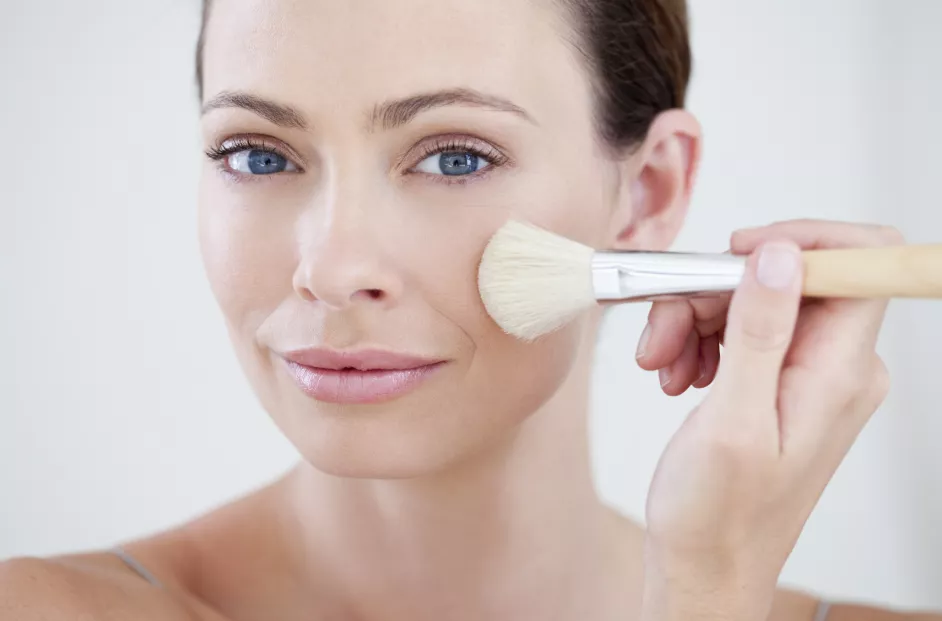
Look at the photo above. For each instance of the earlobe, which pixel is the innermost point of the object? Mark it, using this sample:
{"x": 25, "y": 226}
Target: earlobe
{"x": 653, "y": 204}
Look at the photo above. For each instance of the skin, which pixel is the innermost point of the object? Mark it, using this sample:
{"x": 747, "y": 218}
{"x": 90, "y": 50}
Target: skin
{"x": 472, "y": 497}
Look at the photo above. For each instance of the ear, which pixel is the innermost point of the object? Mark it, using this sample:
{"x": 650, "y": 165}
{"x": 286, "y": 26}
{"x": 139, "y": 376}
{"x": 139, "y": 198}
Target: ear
{"x": 656, "y": 182}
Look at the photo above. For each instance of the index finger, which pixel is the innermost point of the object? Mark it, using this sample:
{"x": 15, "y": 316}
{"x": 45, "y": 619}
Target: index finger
{"x": 852, "y": 325}
{"x": 816, "y": 235}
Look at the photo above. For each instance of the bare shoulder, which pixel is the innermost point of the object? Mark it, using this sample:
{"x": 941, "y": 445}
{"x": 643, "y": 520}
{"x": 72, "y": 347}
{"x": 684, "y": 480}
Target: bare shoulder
{"x": 794, "y": 606}
{"x": 194, "y": 564}
{"x": 50, "y": 590}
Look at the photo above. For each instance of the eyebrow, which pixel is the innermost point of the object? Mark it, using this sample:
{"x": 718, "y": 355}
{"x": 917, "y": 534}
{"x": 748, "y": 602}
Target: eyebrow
{"x": 279, "y": 114}
{"x": 396, "y": 113}
{"x": 387, "y": 116}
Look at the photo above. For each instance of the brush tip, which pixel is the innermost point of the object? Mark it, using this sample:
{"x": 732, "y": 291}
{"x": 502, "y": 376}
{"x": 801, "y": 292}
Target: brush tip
{"x": 533, "y": 281}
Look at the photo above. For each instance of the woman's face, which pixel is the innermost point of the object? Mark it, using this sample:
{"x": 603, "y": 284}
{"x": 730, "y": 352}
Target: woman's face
{"x": 361, "y": 156}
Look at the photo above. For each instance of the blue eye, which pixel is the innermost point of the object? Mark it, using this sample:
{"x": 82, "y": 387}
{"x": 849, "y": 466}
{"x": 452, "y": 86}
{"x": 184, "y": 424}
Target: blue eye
{"x": 259, "y": 162}
{"x": 453, "y": 163}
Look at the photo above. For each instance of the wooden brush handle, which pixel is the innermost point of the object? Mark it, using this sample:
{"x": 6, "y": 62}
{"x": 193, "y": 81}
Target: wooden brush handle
{"x": 890, "y": 272}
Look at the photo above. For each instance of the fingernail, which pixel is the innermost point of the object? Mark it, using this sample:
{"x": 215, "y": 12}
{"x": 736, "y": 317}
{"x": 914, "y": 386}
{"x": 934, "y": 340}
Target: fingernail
{"x": 703, "y": 372}
{"x": 778, "y": 267}
{"x": 665, "y": 376}
{"x": 643, "y": 342}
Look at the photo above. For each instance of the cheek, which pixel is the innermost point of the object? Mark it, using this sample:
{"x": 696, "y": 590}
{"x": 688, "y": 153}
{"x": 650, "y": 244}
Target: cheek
{"x": 441, "y": 241}
{"x": 518, "y": 378}
{"x": 247, "y": 256}
{"x": 506, "y": 378}
{"x": 440, "y": 248}
{"x": 577, "y": 205}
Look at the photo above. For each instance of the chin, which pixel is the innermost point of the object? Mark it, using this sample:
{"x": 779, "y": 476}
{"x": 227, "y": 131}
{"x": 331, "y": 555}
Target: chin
{"x": 415, "y": 438}
{"x": 466, "y": 412}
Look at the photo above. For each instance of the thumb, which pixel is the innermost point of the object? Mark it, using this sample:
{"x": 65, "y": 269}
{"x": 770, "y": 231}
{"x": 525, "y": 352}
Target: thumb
{"x": 759, "y": 329}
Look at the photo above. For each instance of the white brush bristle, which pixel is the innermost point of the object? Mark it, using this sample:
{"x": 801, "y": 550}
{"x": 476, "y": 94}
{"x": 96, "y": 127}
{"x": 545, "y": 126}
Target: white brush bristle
{"x": 533, "y": 281}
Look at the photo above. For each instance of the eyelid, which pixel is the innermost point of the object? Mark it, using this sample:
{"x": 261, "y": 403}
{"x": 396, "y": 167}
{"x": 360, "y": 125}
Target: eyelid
{"x": 454, "y": 142}
{"x": 244, "y": 142}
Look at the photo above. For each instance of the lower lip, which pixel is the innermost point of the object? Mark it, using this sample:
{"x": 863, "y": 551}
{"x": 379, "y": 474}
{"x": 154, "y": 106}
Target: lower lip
{"x": 358, "y": 387}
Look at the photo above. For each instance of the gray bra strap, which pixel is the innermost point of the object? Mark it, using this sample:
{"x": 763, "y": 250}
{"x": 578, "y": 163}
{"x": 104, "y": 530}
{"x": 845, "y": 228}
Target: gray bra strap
{"x": 135, "y": 566}
{"x": 824, "y": 609}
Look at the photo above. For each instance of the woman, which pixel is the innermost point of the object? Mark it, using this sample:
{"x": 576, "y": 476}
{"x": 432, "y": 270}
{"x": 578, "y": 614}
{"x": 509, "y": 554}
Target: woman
{"x": 359, "y": 156}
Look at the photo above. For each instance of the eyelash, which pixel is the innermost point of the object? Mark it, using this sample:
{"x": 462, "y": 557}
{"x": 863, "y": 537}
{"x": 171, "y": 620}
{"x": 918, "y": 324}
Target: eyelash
{"x": 220, "y": 152}
{"x": 433, "y": 146}
{"x": 462, "y": 144}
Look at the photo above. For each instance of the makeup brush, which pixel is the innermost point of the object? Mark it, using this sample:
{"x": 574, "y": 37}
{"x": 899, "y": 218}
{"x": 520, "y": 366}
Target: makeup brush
{"x": 533, "y": 281}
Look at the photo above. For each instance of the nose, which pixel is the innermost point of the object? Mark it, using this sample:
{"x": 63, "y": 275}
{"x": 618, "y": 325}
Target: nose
{"x": 342, "y": 263}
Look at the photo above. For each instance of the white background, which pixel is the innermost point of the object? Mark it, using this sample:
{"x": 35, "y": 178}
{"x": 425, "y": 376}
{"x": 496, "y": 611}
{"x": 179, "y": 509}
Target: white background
{"x": 122, "y": 410}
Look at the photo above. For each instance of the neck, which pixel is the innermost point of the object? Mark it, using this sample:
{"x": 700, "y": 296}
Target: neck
{"x": 515, "y": 533}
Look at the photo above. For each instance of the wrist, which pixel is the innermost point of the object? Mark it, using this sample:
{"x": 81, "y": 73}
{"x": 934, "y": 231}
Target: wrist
{"x": 703, "y": 587}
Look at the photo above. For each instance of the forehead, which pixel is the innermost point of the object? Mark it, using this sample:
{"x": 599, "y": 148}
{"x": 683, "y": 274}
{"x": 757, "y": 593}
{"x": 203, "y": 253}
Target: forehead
{"x": 355, "y": 51}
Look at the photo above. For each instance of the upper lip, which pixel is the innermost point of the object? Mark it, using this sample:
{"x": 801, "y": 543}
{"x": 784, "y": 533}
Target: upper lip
{"x": 363, "y": 360}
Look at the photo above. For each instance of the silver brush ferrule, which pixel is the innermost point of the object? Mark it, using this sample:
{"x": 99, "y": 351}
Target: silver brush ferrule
{"x": 640, "y": 275}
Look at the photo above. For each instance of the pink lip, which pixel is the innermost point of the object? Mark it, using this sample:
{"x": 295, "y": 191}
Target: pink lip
{"x": 369, "y": 376}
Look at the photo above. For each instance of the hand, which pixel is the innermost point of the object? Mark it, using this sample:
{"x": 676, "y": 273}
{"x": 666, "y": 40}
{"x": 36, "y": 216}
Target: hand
{"x": 797, "y": 383}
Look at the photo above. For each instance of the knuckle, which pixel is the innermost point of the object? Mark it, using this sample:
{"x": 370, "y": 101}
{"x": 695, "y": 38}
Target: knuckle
{"x": 663, "y": 308}
{"x": 850, "y": 383}
{"x": 865, "y": 390}
{"x": 805, "y": 222}
{"x": 813, "y": 226}
{"x": 764, "y": 332}
{"x": 847, "y": 389}
{"x": 659, "y": 308}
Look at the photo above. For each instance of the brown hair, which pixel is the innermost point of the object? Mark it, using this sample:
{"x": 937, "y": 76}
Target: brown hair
{"x": 639, "y": 53}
